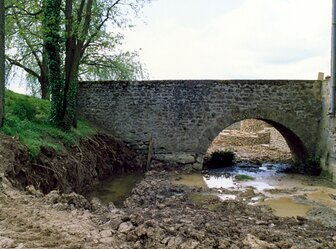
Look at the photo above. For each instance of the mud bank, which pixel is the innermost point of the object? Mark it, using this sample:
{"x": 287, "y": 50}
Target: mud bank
{"x": 77, "y": 168}
{"x": 158, "y": 214}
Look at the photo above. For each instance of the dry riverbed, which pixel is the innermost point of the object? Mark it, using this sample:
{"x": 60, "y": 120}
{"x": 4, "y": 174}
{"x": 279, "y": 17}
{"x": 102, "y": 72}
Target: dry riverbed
{"x": 160, "y": 213}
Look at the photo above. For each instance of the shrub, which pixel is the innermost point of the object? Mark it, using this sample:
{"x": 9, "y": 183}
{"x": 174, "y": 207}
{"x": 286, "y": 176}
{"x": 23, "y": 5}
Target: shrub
{"x": 220, "y": 159}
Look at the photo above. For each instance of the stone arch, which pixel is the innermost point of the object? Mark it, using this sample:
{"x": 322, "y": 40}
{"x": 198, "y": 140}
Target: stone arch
{"x": 281, "y": 123}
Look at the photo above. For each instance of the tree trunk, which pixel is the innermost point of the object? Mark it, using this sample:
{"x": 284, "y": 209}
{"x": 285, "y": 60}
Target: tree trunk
{"x": 74, "y": 53}
{"x": 52, "y": 41}
{"x": 2, "y": 61}
{"x": 43, "y": 79}
{"x": 70, "y": 67}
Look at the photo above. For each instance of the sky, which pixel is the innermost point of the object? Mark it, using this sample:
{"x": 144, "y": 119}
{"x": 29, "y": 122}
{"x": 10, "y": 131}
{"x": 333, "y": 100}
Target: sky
{"x": 233, "y": 39}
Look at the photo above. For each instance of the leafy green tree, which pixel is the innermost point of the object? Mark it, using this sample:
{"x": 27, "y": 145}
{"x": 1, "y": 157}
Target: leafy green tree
{"x": 2, "y": 61}
{"x": 100, "y": 56}
{"x": 84, "y": 24}
{"x": 23, "y": 28}
{"x": 52, "y": 42}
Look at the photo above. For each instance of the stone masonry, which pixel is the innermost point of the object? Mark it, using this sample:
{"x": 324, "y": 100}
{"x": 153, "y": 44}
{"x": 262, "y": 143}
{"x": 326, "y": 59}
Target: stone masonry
{"x": 275, "y": 139}
{"x": 183, "y": 117}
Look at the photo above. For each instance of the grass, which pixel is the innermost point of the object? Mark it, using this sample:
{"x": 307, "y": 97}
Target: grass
{"x": 27, "y": 118}
{"x": 242, "y": 178}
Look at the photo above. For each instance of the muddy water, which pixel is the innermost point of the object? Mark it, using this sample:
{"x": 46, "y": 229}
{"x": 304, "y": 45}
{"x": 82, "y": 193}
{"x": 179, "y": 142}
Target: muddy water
{"x": 287, "y": 207}
{"x": 192, "y": 180}
{"x": 286, "y": 194}
{"x": 116, "y": 189}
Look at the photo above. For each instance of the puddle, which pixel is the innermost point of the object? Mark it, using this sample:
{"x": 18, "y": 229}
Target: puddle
{"x": 287, "y": 207}
{"x": 258, "y": 177}
{"x": 266, "y": 185}
{"x": 326, "y": 197}
{"x": 219, "y": 181}
{"x": 192, "y": 180}
{"x": 116, "y": 189}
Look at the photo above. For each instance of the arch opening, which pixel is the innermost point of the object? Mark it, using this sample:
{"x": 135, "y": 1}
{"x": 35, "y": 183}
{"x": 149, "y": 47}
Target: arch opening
{"x": 259, "y": 141}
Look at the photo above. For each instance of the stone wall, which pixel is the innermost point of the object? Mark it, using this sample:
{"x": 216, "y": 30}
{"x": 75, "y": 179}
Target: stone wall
{"x": 184, "y": 117}
{"x": 235, "y": 126}
{"x": 234, "y": 138}
{"x": 253, "y": 125}
{"x": 277, "y": 141}
{"x": 327, "y": 142}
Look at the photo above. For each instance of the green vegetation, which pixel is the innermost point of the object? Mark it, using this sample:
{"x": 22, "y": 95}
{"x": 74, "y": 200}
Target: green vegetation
{"x": 242, "y": 178}
{"x": 220, "y": 159}
{"x": 52, "y": 41}
{"x": 28, "y": 119}
{"x": 2, "y": 61}
{"x": 90, "y": 50}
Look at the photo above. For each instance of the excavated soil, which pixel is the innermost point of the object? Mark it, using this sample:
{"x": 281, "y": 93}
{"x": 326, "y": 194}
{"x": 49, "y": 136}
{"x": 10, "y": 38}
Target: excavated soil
{"x": 77, "y": 169}
{"x": 158, "y": 214}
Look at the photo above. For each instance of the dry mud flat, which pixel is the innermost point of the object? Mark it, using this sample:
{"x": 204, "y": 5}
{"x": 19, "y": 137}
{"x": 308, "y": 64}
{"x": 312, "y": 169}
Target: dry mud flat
{"x": 157, "y": 215}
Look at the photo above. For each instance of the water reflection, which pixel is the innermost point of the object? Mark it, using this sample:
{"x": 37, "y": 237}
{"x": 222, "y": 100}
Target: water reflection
{"x": 116, "y": 189}
{"x": 256, "y": 176}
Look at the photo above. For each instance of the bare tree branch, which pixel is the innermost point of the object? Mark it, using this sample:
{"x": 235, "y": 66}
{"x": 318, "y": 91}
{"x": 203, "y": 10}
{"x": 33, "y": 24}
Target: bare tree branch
{"x": 17, "y": 63}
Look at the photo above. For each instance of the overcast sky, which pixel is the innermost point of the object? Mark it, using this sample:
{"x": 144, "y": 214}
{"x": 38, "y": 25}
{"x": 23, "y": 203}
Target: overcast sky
{"x": 234, "y": 39}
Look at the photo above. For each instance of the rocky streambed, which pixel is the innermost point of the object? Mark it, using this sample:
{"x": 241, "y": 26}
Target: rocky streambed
{"x": 159, "y": 213}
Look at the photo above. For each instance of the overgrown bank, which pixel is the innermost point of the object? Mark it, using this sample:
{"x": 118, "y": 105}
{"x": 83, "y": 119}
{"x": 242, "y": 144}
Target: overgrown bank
{"x": 77, "y": 168}
{"x": 36, "y": 153}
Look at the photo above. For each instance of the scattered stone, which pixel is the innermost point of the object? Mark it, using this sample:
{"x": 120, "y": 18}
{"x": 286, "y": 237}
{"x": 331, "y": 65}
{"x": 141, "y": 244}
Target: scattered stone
{"x": 255, "y": 243}
{"x": 105, "y": 233}
{"x": 97, "y": 206}
{"x": 6, "y": 242}
{"x": 156, "y": 215}
{"x": 53, "y": 197}
{"x": 125, "y": 227}
{"x": 32, "y": 191}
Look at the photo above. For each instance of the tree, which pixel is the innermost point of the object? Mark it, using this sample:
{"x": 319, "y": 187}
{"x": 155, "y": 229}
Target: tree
{"x": 24, "y": 34}
{"x": 2, "y": 61}
{"x": 100, "y": 58}
{"x": 52, "y": 44}
{"x": 85, "y": 22}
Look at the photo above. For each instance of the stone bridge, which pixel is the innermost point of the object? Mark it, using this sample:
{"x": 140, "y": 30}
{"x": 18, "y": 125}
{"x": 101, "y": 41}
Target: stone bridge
{"x": 184, "y": 117}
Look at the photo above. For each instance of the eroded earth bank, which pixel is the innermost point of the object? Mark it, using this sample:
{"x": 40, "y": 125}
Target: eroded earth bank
{"x": 158, "y": 214}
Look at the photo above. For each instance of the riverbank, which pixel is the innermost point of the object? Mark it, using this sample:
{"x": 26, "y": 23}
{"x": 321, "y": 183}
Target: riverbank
{"x": 76, "y": 168}
{"x": 158, "y": 214}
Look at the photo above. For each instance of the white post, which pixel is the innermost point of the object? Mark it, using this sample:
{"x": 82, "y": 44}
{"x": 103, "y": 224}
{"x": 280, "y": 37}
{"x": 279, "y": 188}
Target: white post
{"x": 333, "y": 59}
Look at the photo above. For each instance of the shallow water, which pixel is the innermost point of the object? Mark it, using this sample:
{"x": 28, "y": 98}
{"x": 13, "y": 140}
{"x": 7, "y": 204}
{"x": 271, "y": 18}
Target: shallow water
{"x": 287, "y": 207}
{"x": 116, "y": 189}
{"x": 286, "y": 194}
{"x": 262, "y": 176}
{"x": 192, "y": 180}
